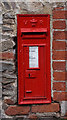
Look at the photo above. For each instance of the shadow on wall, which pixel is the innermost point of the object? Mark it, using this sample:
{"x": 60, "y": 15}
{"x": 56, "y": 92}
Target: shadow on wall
{"x": 15, "y": 60}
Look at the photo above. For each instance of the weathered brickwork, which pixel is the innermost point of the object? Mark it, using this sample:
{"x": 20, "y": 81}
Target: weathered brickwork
{"x": 59, "y": 56}
{"x": 8, "y": 60}
{"x": 61, "y": 45}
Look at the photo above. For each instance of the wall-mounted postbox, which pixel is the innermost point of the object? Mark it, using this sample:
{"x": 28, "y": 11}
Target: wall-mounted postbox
{"x": 33, "y": 32}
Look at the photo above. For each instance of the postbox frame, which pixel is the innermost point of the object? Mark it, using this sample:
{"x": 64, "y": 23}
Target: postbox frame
{"x": 20, "y": 71}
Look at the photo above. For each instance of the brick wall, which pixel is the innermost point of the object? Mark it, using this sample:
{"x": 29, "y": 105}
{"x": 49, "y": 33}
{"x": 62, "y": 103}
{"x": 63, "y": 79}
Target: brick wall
{"x": 8, "y": 58}
{"x": 59, "y": 54}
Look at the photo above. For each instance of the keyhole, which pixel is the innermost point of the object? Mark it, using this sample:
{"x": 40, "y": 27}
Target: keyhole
{"x": 29, "y": 75}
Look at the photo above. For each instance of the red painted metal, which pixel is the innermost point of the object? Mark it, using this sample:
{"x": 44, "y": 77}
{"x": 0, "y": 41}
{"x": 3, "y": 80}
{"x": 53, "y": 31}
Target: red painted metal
{"x": 34, "y": 84}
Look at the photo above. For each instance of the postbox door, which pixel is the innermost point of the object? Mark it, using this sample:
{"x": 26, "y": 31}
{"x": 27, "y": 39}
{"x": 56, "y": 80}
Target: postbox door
{"x": 34, "y": 78}
{"x": 34, "y": 71}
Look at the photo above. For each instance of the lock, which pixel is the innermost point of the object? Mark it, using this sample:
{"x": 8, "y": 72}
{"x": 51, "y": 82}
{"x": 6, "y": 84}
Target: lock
{"x": 29, "y": 75}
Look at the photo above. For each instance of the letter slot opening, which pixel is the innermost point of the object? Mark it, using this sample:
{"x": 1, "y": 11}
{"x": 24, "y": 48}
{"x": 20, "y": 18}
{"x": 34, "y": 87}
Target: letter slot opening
{"x": 37, "y": 33}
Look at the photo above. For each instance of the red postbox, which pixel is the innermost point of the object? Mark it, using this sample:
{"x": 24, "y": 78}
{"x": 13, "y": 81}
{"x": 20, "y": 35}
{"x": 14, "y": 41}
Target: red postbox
{"x": 34, "y": 81}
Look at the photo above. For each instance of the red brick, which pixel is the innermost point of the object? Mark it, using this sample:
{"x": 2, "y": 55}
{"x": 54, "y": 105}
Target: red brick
{"x": 59, "y": 14}
{"x": 59, "y": 86}
{"x": 59, "y": 8}
{"x": 62, "y": 76}
{"x": 59, "y": 45}
{"x": 7, "y": 55}
{"x": 66, "y": 44}
{"x": 17, "y": 110}
{"x": 9, "y": 101}
{"x": 64, "y": 118}
{"x": 59, "y": 66}
{"x": 59, "y": 24}
{"x": 66, "y": 113}
{"x": 60, "y": 96}
{"x": 33, "y": 117}
{"x": 59, "y": 55}
{"x": 61, "y": 35}
{"x": 53, "y": 107}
